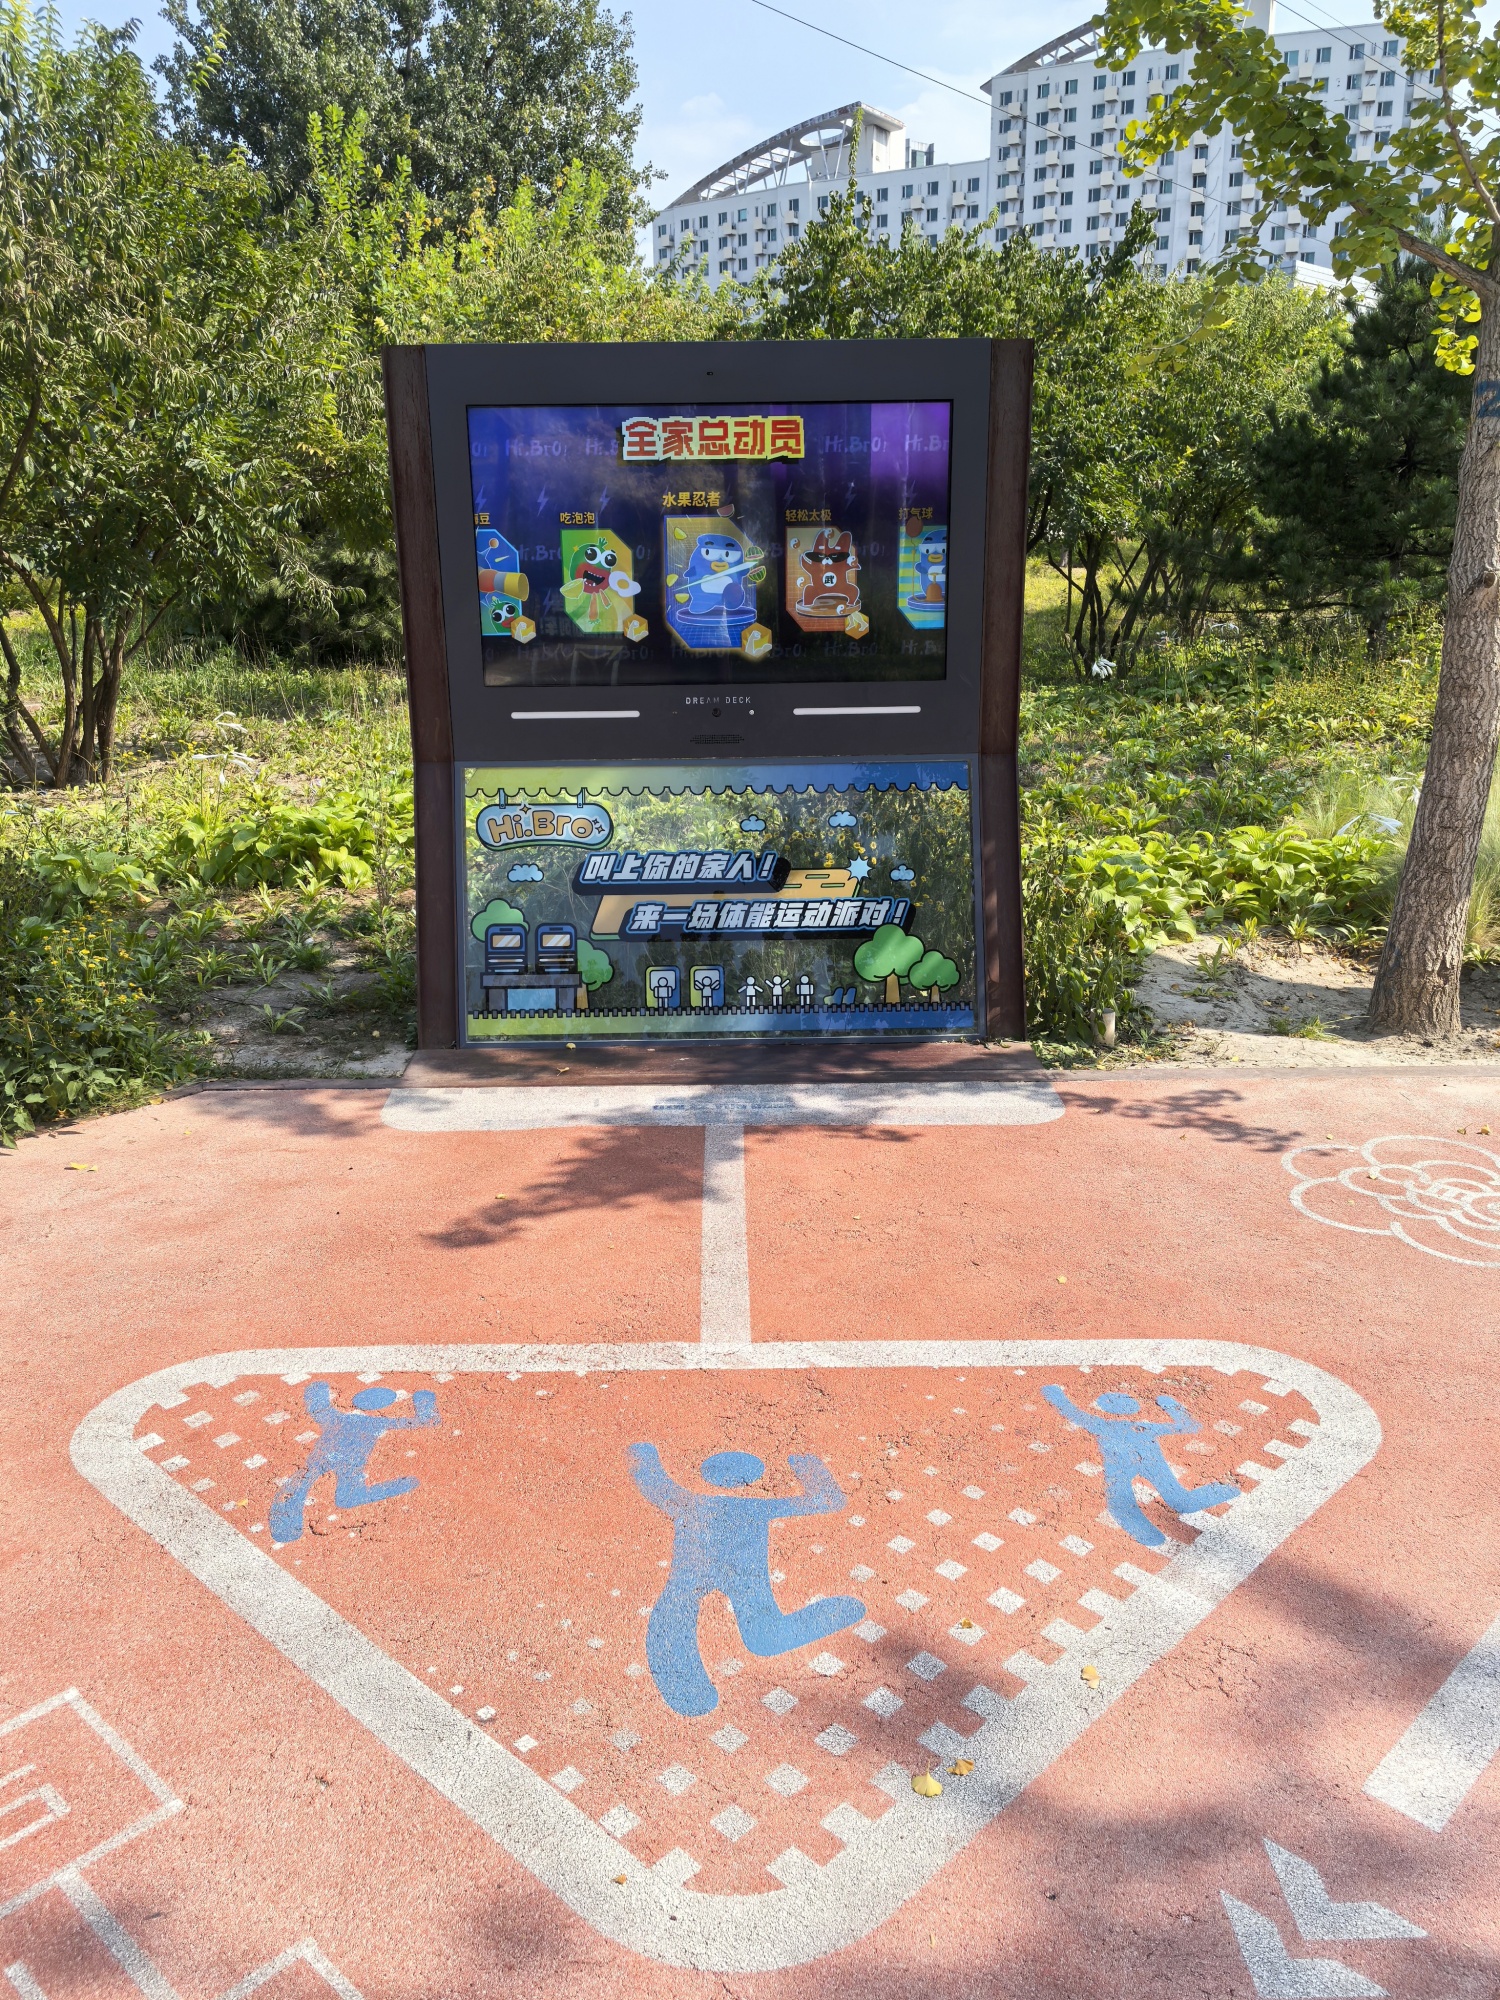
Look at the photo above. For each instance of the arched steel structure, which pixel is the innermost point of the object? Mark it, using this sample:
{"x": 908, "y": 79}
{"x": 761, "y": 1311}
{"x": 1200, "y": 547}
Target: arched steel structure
{"x": 824, "y": 139}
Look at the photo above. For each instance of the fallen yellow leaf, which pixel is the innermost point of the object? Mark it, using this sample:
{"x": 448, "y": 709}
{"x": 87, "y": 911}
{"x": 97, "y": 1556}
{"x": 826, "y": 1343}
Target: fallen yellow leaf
{"x": 961, "y": 1767}
{"x": 619, "y": 1878}
{"x": 925, "y": 1785}
{"x": 1485, "y": 1130}
{"x": 1463, "y": 1131}
{"x": 77, "y": 1167}
{"x": 563, "y": 1068}
{"x": 1061, "y": 1279}
{"x": 1091, "y": 1675}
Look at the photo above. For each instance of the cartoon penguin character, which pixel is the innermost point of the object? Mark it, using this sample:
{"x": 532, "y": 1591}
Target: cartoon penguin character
{"x": 932, "y": 569}
{"x": 716, "y": 586}
{"x": 828, "y": 590}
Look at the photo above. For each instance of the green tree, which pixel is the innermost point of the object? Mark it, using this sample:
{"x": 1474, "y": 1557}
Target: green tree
{"x": 162, "y": 378}
{"x": 596, "y": 969}
{"x": 933, "y": 974}
{"x": 1143, "y": 417}
{"x": 1446, "y": 162}
{"x": 1357, "y": 491}
{"x": 886, "y": 955}
{"x": 480, "y": 96}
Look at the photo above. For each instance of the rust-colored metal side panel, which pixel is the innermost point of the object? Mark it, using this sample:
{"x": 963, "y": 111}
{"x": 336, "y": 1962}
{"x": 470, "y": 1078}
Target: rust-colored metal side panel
{"x": 1000, "y": 687}
{"x": 414, "y": 505}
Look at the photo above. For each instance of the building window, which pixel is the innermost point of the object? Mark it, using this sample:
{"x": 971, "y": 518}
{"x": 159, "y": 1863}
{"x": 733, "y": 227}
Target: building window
{"x": 1039, "y": 173}
{"x": 1387, "y": 79}
{"x": 1200, "y": 180}
{"x": 794, "y": 229}
{"x": 743, "y": 240}
{"x": 661, "y": 229}
{"x": 974, "y": 185}
{"x": 932, "y": 215}
{"x": 1232, "y": 208}
{"x": 1070, "y": 145}
{"x": 1192, "y": 265}
{"x": 1195, "y": 208}
{"x": 1357, "y": 52}
{"x": 1236, "y": 180}
{"x": 1005, "y": 97}
{"x": 793, "y": 206}
{"x": 1195, "y": 236}
{"x": 1231, "y": 236}
{"x": 822, "y": 201}
{"x": 1128, "y": 78}
{"x": 1235, "y": 150}
{"x": 1065, "y": 229}
{"x": 1043, "y": 90}
{"x": 934, "y": 187}
{"x": 703, "y": 222}
{"x": 882, "y": 194}
{"x": 1293, "y": 57}
{"x": 744, "y": 263}
{"x": 1096, "y": 194}
{"x": 1172, "y": 72}
{"x": 1278, "y": 232}
{"x": 1070, "y": 116}
{"x": 973, "y": 211}
{"x": 1065, "y": 199}
{"x": 1039, "y": 201}
{"x": 1098, "y": 111}
{"x": 1066, "y": 173}
{"x": 1096, "y": 166}
{"x": 1099, "y": 82}
{"x": 906, "y": 192}
{"x": 1127, "y": 105}
{"x": 1092, "y": 223}
{"x": 1070, "y": 88}
{"x": 1325, "y": 55}
{"x": 1200, "y": 152}
{"x": 1164, "y": 243}
{"x": 1321, "y": 84}
{"x": 1384, "y": 108}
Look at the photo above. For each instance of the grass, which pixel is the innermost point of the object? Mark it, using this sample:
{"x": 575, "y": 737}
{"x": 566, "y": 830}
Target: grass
{"x": 260, "y": 822}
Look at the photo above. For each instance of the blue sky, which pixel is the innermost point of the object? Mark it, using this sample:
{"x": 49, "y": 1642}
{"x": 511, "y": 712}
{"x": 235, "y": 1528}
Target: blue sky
{"x": 717, "y": 78}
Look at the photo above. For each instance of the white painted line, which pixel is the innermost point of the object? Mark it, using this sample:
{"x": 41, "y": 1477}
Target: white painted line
{"x": 1319, "y": 1918}
{"x": 650, "y": 1913}
{"x": 134, "y": 1961}
{"x": 1278, "y": 1976}
{"x": 538, "y": 1107}
{"x": 725, "y": 1265}
{"x": 1437, "y": 1763}
{"x": 23, "y": 1982}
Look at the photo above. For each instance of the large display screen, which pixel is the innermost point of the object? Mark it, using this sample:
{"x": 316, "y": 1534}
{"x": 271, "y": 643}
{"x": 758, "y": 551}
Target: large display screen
{"x": 711, "y": 543}
{"x": 667, "y": 901}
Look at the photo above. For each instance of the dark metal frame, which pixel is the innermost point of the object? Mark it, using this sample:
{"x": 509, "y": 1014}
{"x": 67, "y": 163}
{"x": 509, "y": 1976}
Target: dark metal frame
{"x": 973, "y": 711}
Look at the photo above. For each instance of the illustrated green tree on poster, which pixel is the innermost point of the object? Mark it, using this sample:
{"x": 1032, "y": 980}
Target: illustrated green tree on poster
{"x": 893, "y": 953}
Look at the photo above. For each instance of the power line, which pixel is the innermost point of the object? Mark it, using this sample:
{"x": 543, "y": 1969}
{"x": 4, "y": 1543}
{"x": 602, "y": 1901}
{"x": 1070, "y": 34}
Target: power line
{"x": 874, "y": 54}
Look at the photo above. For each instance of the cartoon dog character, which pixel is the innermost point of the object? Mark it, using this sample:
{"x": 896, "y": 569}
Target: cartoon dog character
{"x": 828, "y": 590}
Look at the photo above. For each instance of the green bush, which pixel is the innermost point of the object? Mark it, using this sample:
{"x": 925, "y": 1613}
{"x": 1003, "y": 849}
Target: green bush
{"x": 78, "y": 1030}
{"x": 346, "y": 838}
{"x": 1080, "y": 952}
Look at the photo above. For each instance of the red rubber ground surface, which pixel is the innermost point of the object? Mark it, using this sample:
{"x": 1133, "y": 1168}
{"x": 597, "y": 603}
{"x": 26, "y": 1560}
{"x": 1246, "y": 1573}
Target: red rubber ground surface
{"x": 1157, "y": 1206}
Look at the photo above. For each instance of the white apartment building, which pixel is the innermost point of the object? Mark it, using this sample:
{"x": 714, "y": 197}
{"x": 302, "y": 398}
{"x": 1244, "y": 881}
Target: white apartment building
{"x": 1057, "y": 121}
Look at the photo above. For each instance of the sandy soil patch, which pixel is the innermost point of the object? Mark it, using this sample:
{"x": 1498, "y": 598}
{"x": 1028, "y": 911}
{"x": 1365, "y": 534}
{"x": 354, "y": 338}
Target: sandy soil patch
{"x": 1282, "y": 1003}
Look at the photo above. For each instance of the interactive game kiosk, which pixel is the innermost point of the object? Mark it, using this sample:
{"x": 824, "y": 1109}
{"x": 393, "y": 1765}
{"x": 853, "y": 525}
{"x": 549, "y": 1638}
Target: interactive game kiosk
{"x": 714, "y": 657}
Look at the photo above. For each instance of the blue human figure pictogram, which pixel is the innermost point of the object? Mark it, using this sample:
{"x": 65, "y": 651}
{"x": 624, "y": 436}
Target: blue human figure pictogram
{"x": 349, "y": 1436}
{"x": 722, "y": 1541}
{"x": 1130, "y": 1451}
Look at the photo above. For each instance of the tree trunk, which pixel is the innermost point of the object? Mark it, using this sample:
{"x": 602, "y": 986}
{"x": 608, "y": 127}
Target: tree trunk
{"x": 1417, "y": 980}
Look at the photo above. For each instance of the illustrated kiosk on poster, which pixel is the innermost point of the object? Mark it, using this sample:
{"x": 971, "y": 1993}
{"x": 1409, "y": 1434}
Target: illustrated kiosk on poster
{"x": 714, "y": 687}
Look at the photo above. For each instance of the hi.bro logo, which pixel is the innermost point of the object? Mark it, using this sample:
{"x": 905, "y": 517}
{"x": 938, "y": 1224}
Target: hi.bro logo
{"x": 503, "y": 825}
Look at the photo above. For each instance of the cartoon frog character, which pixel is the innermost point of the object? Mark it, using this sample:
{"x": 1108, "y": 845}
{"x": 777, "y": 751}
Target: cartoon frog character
{"x": 503, "y": 588}
{"x": 599, "y": 587}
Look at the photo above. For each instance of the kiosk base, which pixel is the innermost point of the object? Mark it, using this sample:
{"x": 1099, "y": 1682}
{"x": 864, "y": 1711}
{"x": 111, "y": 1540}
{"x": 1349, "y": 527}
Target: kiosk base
{"x": 725, "y": 1062}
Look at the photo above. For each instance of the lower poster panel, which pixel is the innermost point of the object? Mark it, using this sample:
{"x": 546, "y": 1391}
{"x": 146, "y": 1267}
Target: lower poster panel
{"x": 657, "y": 900}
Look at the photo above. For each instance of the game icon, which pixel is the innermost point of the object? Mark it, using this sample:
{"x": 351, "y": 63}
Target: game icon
{"x": 922, "y": 572}
{"x": 599, "y": 590}
{"x": 712, "y": 570}
{"x": 821, "y": 592}
{"x": 503, "y": 588}
{"x": 663, "y": 987}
